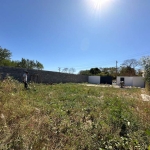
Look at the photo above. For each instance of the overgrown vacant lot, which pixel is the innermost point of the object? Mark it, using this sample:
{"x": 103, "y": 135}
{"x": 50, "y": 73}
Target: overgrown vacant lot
{"x": 72, "y": 117}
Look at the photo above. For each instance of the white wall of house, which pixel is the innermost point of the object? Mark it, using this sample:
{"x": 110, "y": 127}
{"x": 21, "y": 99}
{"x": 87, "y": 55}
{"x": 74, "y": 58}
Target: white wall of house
{"x": 118, "y": 80}
{"x": 128, "y": 81}
{"x": 138, "y": 82}
{"x": 132, "y": 81}
{"x": 94, "y": 79}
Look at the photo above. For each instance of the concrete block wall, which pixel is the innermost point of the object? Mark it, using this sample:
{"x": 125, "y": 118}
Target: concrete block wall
{"x": 41, "y": 76}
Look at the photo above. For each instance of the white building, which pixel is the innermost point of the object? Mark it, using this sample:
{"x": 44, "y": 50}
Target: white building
{"x": 131, "y": 81}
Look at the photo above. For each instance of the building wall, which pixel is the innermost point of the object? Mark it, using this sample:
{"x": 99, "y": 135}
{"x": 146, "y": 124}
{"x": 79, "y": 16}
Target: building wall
{"x": 132, "y": 81}
{"x": 118, "y": 81}
{"x": 138, "y": 82}
{"x": 100, "y": 80}
{"x": 41, "y": 76}
{"x": 94, "y": 79}
{"x": 128, "y": 81}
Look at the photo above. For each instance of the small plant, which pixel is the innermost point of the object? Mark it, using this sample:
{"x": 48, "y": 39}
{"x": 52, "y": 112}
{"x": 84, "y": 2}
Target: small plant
{"x": 72, "y": 116}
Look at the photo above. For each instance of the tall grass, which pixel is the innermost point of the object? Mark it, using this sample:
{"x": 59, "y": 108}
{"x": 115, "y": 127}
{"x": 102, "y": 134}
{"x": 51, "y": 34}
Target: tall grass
{"x": 72, "y": 117}
{"x": 147, "y": 86}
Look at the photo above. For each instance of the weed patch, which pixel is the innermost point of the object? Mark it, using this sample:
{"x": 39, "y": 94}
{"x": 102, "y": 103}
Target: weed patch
{"x": 72, "y": 117}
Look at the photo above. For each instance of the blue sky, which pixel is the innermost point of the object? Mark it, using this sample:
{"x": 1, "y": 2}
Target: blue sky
{"x": 78, "y": 34}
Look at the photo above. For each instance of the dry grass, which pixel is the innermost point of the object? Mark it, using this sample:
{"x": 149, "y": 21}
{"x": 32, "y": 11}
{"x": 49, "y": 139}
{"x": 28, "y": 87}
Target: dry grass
{"x": 72, "y": 117}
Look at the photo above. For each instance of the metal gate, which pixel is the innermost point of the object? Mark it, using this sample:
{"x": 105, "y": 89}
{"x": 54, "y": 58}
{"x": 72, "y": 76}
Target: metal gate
{"x": 106, "y": 80}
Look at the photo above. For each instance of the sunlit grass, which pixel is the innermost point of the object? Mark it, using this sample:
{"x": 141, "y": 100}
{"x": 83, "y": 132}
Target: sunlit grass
{"x": 72, "y": 116}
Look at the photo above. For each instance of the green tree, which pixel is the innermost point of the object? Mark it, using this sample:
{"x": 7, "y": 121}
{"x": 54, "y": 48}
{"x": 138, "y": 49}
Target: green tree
{"x": 5, "y": 62}
{"x": 95, "y": 71}
{"x": 111, "y": 71}
{"x": 38, "y": 65}
{"x": 85, "y": 72}
{"x": 127, "y": 71}
{"x": 30, "y": 64}
{"x": 5, "y": 54}
{"x": 22, "y": 63}
{"x": 145, "y": 62}
{"x": 104, "y": 72}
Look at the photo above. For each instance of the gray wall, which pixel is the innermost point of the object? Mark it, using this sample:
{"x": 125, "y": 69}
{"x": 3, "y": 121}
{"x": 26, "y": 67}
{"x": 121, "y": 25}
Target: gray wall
{"x": 94, "y": 79}
{"x": 40, "y": 76}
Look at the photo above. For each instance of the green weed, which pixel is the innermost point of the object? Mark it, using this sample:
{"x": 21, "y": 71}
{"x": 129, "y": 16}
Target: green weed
{"x": 72, "y": 117}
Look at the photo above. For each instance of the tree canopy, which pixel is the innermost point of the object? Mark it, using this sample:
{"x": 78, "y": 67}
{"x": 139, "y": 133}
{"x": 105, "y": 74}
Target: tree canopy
{"x": 30, "y": 64}
{"x": 94, "y": 71}
{"x": 5, "y": 60}
{"x": 132, "y": 63}
{"x": 127, "y": 68}
{"x": 5, "y": 54}
{"x": 145, "y": 62}
{"x": 127, "y": 71}
{"x": 110, "y": 71}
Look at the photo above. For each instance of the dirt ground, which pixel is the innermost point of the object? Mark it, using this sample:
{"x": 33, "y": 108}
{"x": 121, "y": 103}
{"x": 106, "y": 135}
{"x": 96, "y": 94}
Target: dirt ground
{"x": 107, "y": 85}
{"x": 144, "y": 96}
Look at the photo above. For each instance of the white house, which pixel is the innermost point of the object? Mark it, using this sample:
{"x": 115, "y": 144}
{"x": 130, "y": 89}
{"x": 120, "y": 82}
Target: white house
{"x": 131, "y": 81}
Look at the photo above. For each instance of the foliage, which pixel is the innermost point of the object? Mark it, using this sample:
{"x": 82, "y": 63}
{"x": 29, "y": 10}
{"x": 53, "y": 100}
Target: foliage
{"x": 24, "y": 63}
{"x": 127, "y": 71}
{"x": 95, "y": 71}
{"x": 5, "y": 56}
{"x": 145, "y": 62}
{"x": 72, "y": 116}
{"x": 30, "y": 64}
{"x": 6, "y": 62}
{"x": 84, "y": 72}
{"x": 100, "y": 71}
{"x": 132, "y": 63}
{"x": 127, "y": 68}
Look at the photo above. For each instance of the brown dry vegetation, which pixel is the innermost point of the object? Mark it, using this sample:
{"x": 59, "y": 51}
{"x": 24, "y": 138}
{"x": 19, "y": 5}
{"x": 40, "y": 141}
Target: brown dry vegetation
{"x": 72, "y": 117}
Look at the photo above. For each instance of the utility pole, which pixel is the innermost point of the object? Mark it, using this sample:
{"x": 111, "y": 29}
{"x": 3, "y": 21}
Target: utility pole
{"x": 116, "y": 69}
